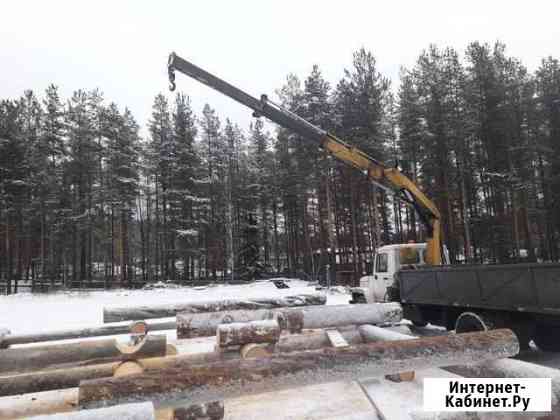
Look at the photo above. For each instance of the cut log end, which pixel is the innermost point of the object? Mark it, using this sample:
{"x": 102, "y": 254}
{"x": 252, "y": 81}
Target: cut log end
{"x": 139, "y": 328}
{"x": 256, "y": 351}
{"x": 401, "y": 377}
{"x": 149, "y": 345}
{"x": 128, "y": 368}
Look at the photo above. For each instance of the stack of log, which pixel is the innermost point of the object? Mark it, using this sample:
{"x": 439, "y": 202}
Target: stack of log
{"x": 256, "y": 350}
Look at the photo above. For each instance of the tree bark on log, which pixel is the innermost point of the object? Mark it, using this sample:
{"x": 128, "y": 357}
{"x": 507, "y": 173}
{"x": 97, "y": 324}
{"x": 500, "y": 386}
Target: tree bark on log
{"x": 294, "y": 319}
{"x": 239, "y": 333}
{"x": 232, "y": 378}
{"x": 70, "y": 377}
{"x": 39, "y": 403}
{"x": 105, "y": 330}
{"x": 66, "y": 401}
{"x": 169, "y": 310}
{"x": 24, "y": 359}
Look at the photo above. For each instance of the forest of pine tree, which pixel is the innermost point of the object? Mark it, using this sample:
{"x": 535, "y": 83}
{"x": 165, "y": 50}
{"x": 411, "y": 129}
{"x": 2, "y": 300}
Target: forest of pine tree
{"x": 87, "y": 201}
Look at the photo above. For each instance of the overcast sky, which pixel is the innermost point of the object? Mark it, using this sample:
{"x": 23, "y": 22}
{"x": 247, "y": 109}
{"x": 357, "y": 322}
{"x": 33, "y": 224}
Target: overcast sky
{"x": 122, "y": 46}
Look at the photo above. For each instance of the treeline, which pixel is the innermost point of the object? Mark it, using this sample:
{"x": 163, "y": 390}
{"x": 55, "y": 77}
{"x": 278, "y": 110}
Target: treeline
{"x": 86, "y": 201}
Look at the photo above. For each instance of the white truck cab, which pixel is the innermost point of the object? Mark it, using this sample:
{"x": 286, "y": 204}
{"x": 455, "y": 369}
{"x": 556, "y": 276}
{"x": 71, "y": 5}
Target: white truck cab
{"x": 389, "y": 259}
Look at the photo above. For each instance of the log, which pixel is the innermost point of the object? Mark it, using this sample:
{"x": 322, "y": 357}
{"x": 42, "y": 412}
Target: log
{"x": 64, "y": 401}
{"x": 371, "y": 333}
{"x": 34, "y": 404}
{"x": 135, "y": 411}
{"x": 95, "y": 351}
{"x": 231, "y": 378}
{"x": 106, "y": 330}
{"x": 293, "y": 319}
{"x": 239, "y": 333}
{"x": 163, "y": 311}
{"x": 71, "y": 376}
{"x": 53, "y": 379}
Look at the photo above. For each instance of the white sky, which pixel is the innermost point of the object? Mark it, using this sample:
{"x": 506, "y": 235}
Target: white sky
{"x": 122, "y": 46}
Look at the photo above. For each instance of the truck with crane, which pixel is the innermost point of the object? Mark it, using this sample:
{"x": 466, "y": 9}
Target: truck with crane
{"x": 522, "y": 297}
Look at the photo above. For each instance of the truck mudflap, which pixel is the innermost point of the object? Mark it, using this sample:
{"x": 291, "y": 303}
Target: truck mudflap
{"x": 359, "y": 295}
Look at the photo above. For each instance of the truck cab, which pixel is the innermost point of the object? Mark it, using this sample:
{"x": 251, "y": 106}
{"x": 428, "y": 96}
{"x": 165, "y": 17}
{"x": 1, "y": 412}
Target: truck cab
{"x": 381, "y": 285}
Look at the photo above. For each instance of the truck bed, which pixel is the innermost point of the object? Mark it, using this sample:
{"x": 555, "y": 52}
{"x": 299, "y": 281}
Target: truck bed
{"x": 516, "y": 287}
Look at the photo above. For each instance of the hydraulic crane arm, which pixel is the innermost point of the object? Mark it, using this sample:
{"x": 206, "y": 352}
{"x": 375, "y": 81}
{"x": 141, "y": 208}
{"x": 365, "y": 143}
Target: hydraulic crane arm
{"x": 388, "y": 178}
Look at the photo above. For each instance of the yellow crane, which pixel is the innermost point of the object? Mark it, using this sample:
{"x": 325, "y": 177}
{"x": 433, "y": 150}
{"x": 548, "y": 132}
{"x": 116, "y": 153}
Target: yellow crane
{"x": 388, "y": 178}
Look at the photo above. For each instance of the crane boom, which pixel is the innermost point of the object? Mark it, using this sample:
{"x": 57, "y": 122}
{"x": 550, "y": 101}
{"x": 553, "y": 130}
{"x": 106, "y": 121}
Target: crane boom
{"x": 388, "y": 178}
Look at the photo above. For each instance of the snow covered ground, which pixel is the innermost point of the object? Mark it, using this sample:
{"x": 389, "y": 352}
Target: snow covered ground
{"x": 26, "y": 312}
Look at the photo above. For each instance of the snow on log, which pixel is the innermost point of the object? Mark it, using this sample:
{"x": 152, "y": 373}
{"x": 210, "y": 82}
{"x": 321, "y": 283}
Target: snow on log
{"x": 293, "y": 319}
{"x": 371, "y": 333}
{"x": 38, "y": 403}
{"x": 162, "y": 311}
{"x": 105, "y": 330}
{"x": 24, "y": 359}
{"x": 231, "y": 378}
{"x": 136, "y": 411}
{"x": 239, "y": 333}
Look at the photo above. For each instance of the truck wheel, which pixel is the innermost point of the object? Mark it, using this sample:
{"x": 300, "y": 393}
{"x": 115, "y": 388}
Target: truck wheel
{"x": 471, "y": 322}
{"x": 419, "y": 323}
{"x": 547, "y": 338}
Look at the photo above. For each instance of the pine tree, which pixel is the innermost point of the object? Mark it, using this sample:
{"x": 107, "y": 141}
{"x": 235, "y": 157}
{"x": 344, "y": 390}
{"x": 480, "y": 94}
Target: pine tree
{"x": 185, "y": 198}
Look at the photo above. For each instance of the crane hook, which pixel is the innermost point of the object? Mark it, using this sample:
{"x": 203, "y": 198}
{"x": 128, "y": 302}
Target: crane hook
{"x": 171, "y": 73}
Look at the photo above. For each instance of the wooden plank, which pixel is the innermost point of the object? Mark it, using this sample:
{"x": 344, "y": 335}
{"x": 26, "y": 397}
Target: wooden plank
{"x": 336, "y": 339}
